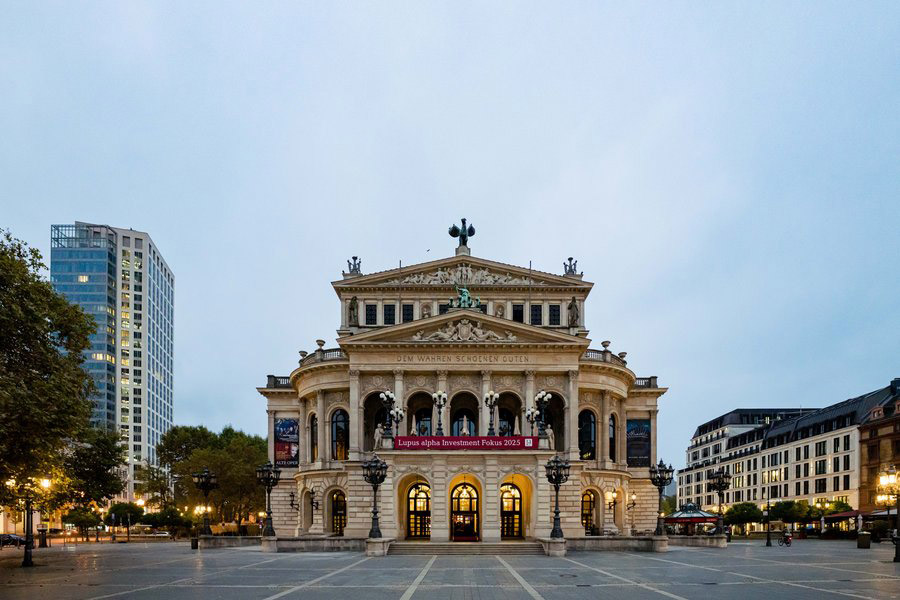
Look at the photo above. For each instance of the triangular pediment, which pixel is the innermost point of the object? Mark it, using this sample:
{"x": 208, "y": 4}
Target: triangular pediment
{"x": 464, "y": 326}
{"x": 463, "y": 271}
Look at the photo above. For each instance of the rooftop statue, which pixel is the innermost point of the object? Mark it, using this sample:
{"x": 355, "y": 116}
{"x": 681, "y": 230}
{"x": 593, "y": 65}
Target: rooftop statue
{"x": 463, "y": 233}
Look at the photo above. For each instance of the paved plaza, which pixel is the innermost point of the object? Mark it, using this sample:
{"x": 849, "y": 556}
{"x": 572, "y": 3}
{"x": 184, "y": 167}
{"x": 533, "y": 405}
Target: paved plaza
{"x": 746, "y": 570}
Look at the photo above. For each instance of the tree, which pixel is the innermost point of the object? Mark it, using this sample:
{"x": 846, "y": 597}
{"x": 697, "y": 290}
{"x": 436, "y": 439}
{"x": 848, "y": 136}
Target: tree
{"x": 124, "y": 510}
{"x": 177, "y": 444}
{"x": 743, "y": 513}
{"x": 669, "y": 505}
{"x": 93, "y": 470}
{"x": 44, "y": 392}
{"x": 154, "y": 484}
{"x": 168, "y": 518}
{"x": 82, "y": 518}
{"x": 788, "y": 511}
{"x": 838, "y": 506}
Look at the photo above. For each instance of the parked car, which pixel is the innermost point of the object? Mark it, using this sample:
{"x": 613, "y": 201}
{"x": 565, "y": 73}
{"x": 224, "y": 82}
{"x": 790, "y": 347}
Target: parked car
{"x": 11, "y": 539}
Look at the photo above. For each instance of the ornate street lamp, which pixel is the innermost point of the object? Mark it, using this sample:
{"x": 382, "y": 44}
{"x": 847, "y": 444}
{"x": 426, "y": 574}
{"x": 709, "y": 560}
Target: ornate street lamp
{"x": 557, "y": 474}
{"x": 611, "y": 505}
{"x": 268, "y": 475}
{"x": 205, "y": 482}
{"x": 490, "y": 400}
{"x": 661, "y": 476}
{"x": 541, "y": 400}
{"x": 440, "y": 399}
{"x": 374, "y": 472}
{"x": 387, "y": 399}
{"x": 769, "y": 520}
{"x": 531, "y": 415}
{"x": 889, "y": 485}
{"x": 719, "y": 482}
{"x": 629, "y": 507}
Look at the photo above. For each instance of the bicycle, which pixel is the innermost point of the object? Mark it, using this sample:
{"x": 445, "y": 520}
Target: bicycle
{"x": 785, "y": 541}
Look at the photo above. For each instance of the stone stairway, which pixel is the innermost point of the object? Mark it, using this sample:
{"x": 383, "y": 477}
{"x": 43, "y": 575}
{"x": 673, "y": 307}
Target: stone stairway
{"x": 465, "y": 548}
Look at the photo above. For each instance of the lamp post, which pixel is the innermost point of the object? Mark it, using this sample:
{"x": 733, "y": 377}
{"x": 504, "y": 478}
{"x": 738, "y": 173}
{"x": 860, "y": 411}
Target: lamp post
{"x": 889, "y": 485}
{"x": 387, "y": 399}
{"x": 440, "y": 399}
{"x": 112, "y": 528}
{"x": 531, "y": 415}
{"x": 660, "y": 476}
{"x": 557, "y": 474}
{"x": 769, "y": 522}
{"x": 205, "y": 482}
{"x": 396, "y": 415}
{"x": 719, "y": 482}
{"x": 374, "y": 472}
{"x": 611, "y": 505}
{"x": 268, "y": 476}
{"x": 490, "y": 401}
{"x": 631, "y": 505}
{"x": 541, "y": 400}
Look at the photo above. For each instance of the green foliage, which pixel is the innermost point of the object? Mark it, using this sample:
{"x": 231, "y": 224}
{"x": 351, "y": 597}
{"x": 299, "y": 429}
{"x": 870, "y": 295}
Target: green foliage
{"x": 44, "y": 392}
{"x": 82, "y": 518}
{"x": 233, "y": 456}
{"x": 669, "y": 505}
{"x": 154, "y": 485}
{"x": 177, "y": 444}
{"x": 838, "y": 506}
{"x": 788, "y": 511}
{"x": 122, "y": 510}
{"x": 168, "y": 518}
{"x": 743, "y": 513}
{"x": 92, "y": 470}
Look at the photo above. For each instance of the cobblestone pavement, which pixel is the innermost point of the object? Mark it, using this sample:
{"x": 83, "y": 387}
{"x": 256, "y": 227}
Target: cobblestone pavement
{"x": 808, "y": 570}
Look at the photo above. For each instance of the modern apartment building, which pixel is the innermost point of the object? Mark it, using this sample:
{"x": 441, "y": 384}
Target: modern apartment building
{"x": 808, "y": 455}
{"x": 120, "y": 278}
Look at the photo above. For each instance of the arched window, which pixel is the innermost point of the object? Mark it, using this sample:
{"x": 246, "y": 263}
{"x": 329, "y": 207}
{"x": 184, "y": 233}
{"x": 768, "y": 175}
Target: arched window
{"x": 423, "y": 421}
{"x": 612, "y": 438}
{"x": 466, "y": 416}
{"x": 313, "y": 439}
{"x": 587, "y": 435}
{"x": 340, "y": 434}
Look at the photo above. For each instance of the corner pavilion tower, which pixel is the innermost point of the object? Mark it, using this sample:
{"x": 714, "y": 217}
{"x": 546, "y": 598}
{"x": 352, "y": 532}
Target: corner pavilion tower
{"x": 465, "y": 326}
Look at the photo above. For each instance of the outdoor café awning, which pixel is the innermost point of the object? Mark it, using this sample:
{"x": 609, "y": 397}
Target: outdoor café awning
{"x": 883, "y": 513}
{"x": 848, "y": 514}
{"x": 689, "y": 513}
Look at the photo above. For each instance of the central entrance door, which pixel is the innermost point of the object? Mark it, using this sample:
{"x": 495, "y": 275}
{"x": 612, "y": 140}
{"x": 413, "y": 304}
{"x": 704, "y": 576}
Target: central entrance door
{"x": 338, "y": 512}
{"x": 418, "y": 510}
{"x": 510, "y": 511}
{"x": 464, "y": 513}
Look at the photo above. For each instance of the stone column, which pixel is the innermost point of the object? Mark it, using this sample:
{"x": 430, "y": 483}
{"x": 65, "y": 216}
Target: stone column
{"x": 490, "y": 505}
{"x": 483, "y": 411}
{"x": 653, "y": 437}
{"x": 303, "y": 439}
{"x": 440, "y": 515}
{"x": 442, "y": 386}
{"x": 603, "y": 453}
{"x": 529, "y": 400}
{"x": 270, "y": 417}
{"x": 398, "y": 398}
{"x": 356, "y": 417}
{"x": 621, "y": 434}
{"x": 572, "y": 414}
{"x": 323, "y": 425}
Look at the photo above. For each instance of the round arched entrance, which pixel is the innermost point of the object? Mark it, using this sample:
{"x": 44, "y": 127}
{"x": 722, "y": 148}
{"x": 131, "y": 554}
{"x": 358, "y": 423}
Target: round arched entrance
{"x": 510, "y": 512}
{"x": 338, "y": 512}
{"x": 464, "y": 522}
{"x": 418, "y": 512}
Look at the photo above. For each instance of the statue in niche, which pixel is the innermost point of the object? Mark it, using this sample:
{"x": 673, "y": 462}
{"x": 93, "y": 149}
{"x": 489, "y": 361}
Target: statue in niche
{"x": 353, "y": 312}
{"x": 464, "y": 431}
{"x": 499, "y": 311}
{"x": 426, "y": 311}
{"x": 379, "y": 433}
{"x": 550, "y": 436}
{"x": 573, "y": 312}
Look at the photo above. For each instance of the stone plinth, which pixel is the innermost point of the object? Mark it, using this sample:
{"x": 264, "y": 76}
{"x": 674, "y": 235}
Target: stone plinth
{"x": 553, "y": 546}
{"x": 312, "y": 544}
{"x": 206, "y": 542}
{"x": 378, "y": 546}
{"x": 633, "y": 543}
{"x": 699, "y": 541}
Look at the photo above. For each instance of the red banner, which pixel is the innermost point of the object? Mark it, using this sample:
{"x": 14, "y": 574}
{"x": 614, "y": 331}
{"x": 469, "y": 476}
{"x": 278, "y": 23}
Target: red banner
{"x": 516, "y": 442}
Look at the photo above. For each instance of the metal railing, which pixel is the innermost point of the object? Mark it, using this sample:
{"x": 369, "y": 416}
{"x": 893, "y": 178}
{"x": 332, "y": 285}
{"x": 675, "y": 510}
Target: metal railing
{"x": 274, "y": 382}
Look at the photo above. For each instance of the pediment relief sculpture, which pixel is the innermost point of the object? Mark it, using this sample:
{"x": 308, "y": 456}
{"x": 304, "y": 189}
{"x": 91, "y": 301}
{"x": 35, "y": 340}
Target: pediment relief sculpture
{"x": 463, "y": 274}
{"x": 463, "y": 330}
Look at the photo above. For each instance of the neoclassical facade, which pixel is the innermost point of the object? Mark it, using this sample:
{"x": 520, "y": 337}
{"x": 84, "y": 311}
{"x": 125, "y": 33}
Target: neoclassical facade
{"x": 518, "y": 333}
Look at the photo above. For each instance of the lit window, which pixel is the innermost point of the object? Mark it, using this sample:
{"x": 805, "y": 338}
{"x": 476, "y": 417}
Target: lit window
{"x": 82, "y": 279}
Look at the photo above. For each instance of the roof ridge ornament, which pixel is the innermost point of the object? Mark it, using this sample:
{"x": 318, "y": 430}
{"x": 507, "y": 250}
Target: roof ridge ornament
{"x": 354, "y": 267}
{"x": 463, "y": 233}
{"x": 570, "y": 269}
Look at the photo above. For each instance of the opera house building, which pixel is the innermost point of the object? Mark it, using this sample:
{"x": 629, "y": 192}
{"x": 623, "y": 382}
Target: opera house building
{"x": 465, "y": 376}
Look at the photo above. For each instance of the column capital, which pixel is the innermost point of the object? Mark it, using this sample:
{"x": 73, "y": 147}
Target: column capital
{"x": 398, "y": 373}
{"x": 354, "y": 373}
{"x": 485, "y": 374}
{"x": 529, "y": 375}
{"x": 441, "y": 373}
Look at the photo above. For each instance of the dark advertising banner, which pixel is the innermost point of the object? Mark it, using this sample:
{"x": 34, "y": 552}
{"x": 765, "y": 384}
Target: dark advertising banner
{"x": 287, "y": 443}
{"x": 516, "y": 442}
{"x": 638, "y": 442}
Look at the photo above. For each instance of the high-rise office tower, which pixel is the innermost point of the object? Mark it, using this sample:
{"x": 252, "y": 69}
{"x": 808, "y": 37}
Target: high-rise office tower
{"x": 119, "y": 277}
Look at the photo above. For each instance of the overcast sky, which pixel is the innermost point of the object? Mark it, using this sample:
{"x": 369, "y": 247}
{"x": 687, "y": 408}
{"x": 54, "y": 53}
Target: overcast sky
{"x": 725, "y": 173}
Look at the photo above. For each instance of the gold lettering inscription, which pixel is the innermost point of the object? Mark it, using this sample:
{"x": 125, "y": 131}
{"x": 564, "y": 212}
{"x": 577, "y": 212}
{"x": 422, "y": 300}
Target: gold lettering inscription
{"x": 478, "y": 359}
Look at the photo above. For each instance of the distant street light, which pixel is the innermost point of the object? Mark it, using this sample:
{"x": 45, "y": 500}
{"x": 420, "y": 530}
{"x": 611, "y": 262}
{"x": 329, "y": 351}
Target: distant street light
{"x": 661, "y": 476}
{"x": 557, "y": 474}
{"x": 205, "y": 481}
{"x": 268, "y": 475}
{"x": 374, "y": 472}
{"x": 719, "y": 482}
{"x": 889, "y": 485}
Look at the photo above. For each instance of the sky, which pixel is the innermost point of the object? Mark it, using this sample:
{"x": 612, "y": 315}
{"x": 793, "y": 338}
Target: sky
{"x": 725, "y": 173}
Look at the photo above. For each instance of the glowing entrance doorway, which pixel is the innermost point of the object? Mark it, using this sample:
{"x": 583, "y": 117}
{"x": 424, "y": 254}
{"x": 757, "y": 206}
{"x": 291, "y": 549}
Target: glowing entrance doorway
{"x": 418, "y": 512}
{"x": 464, "y": 526}
{"x": 510, "y": 511}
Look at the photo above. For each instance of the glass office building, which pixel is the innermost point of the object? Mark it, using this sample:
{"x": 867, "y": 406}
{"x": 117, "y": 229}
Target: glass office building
{"x": 119, "y": 277}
